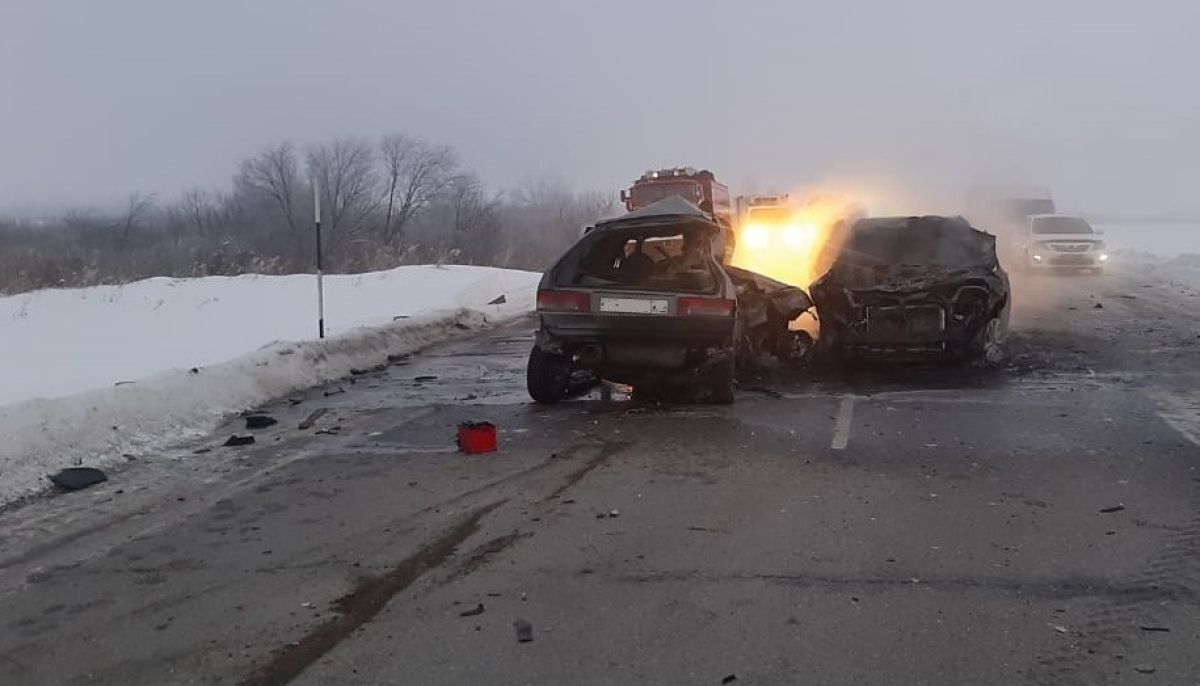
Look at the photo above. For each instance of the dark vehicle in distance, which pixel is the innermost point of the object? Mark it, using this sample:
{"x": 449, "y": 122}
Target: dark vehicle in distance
{"x": 639, "y": 300}
{"x": 913, "y": 285}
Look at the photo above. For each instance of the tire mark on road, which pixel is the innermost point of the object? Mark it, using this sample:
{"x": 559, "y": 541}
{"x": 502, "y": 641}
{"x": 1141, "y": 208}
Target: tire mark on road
{"x": 369, "y": 596}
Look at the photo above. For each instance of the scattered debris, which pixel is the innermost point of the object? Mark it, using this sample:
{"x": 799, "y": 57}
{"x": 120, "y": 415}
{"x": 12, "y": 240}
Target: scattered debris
{"x": 1114, "y": 508}
{"x": 475, "y": 438}
{"x": 1098, "y": 306}
{"x": 335, "y": 391}
{"x": 260, "y": 421}
{"x": 524, "y": 631}
{"x": 729, "y": 679}
{"x": 236, "y": 440}
{"x": 1159, "y": 629}
{"x": 331, "y": 431}
{"x": 424, "y": 378}
{"x": 312, "y": 418}
{"x": 614, "y": 513}
{"x": 201, "y": 451}
{"x": 78, "y": 478}
{"x": 499, "y": 300}
{"x": 194, "y": 370}
{"x": 306, "y": 605}
{"x": 473, "y": 612}
{"x": 1144, "y": 669}
{"x": 1059, "y": 628}
{"x": 358, "y": 372}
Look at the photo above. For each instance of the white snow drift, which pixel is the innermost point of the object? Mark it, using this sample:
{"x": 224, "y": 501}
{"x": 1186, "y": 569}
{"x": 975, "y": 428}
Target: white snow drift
{"x": 65, "y": 354}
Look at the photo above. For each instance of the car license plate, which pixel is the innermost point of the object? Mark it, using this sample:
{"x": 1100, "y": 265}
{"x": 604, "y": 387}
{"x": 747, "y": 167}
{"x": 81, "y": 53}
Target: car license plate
{"x": 634, "y": 305}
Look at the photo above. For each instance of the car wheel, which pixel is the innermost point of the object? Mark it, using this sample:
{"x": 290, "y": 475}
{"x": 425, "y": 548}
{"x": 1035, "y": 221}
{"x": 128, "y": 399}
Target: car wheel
{"x": 722, "y": 380}
{"x": 548, "y": 376}
{"x": 987, "y": 350}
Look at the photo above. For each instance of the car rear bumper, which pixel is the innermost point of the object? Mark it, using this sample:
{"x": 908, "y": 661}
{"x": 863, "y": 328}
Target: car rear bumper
{"x": 590, "y": 328}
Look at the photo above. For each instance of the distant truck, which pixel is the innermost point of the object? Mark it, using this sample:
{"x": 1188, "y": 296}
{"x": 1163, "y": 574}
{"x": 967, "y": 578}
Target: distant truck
{"x": 700, "y": 188}
{"x": 1004, "y": 211}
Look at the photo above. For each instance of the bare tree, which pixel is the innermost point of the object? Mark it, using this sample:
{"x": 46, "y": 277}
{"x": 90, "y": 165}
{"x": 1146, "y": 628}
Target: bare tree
{"x": 274, "y": 173}
{"x": 137, "y": 208}
{"x": 415, "y": 172}
{"x": 345, "y": 175}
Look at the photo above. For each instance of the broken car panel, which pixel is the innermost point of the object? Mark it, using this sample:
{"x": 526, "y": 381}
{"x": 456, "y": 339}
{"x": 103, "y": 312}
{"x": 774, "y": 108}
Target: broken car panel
{"x": 914, "y": 285}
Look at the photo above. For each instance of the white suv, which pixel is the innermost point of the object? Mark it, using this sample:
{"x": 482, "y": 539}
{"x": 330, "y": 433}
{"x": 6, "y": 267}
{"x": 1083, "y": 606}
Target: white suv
{"x": 1059, "y": 241}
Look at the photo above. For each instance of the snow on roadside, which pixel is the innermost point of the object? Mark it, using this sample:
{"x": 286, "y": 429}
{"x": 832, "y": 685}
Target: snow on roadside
{"x": 241, "y": 353}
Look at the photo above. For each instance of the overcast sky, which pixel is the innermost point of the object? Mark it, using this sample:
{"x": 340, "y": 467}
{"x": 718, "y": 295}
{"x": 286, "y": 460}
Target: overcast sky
{"x": 1097, "y": 98}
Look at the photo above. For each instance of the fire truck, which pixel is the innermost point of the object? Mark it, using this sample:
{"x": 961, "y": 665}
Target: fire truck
{"x": 699, "y": 187}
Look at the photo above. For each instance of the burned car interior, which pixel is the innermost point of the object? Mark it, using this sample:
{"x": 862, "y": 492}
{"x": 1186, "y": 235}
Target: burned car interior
{"x": 650, "y": 258}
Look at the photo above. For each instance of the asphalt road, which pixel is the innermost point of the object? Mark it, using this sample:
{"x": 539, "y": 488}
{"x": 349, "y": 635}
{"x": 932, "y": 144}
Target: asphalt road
{"x": 1031, "y": 525}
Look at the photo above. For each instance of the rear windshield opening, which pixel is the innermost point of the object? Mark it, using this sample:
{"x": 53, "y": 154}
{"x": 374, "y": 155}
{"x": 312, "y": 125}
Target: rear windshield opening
{"x": 670, "y": 261}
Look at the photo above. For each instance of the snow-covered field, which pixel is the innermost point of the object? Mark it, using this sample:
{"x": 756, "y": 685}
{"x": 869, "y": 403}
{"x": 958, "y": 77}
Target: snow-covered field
{"x": 66, "y": 355}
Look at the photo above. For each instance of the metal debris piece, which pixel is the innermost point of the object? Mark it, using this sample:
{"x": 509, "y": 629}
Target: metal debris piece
{"x": 236, "y": 440}
{"x": 524, "y": 631}
{"x": 1114, "y": 508}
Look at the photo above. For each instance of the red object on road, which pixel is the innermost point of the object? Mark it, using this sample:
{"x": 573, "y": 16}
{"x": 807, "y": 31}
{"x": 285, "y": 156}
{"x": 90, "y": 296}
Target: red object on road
{"x": 477, "y": 437}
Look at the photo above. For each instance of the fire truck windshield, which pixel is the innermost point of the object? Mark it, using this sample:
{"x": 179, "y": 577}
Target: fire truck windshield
{"x": 653, "y": 192}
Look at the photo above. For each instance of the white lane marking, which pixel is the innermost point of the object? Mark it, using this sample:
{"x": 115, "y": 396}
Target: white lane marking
{"x": 841, "y": 427}
{"x": 1180, "y": 412}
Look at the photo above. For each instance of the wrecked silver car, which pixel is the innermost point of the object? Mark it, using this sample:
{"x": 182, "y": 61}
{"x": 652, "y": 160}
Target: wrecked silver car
{"x": 905, "y": 285}
{"x": 643, "y": 300}
{"x": 639, "y": 300}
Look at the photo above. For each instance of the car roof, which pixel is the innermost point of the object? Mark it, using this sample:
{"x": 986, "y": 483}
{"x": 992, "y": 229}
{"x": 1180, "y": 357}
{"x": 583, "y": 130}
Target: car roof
{"x": 666, "y": 211}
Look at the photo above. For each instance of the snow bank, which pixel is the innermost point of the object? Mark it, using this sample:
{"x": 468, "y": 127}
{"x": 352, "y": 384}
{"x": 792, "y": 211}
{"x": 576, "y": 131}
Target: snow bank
{"x": 154, "y": 332}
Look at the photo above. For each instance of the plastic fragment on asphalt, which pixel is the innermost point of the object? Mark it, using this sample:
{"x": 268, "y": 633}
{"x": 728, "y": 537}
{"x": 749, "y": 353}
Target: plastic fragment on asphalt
{"x": 236, "y": 440}
{"x": 1144, "y": 669}
{"x": 1059, "y": 628}
{"x": 524, "y": 631}
{"x": 78, "y": 478}
{"x": 729, "y": 679}
{"x": 1110, "y": 510}
{"x": 473, "y": 612}
{"x": 260, "y": 421}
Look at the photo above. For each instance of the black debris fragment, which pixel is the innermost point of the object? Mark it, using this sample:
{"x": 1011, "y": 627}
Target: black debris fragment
{"x": 1110, "y": 510}
{"x": 1144, "y": 669}
{"x": 236, "y": 440}
{"x": 312, "y": 418}
{"x": 201, "y": 451}
{"x": 358, "y": 372}
{"x": 473, "y": 612}
{"x": 422, "y": 379}
{"x": 1098, "y": 306}
{"x": 78, "y": 478}
{"x": 500, "y": 300}
{"x": 729, "y": 679}
{"x": 194, "y": 370}
{"x": 260, "y": 421}
{"x": 1155, "y": 629}
{"x": 335, "y": 391}
{"x": 524, "y": 631}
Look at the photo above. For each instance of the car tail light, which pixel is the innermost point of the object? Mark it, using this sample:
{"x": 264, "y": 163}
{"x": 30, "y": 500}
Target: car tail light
{"x": 706, "y": 307}
{"x": 563, "y": 301}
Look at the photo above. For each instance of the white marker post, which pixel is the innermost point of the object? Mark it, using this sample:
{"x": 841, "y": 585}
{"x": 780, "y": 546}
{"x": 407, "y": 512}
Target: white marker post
{"x": 320, "y": 275}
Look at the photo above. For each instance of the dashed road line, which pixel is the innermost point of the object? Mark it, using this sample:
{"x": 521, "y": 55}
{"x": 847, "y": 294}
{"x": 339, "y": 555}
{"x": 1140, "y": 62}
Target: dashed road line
{"x": 841, "y": 427}
{"x": 1180, "y": 412}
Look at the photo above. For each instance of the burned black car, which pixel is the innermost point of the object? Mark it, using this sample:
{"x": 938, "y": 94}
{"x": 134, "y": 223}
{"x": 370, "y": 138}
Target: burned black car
{"x": 904, "y": 285}
{"x": 639, "y": 300}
